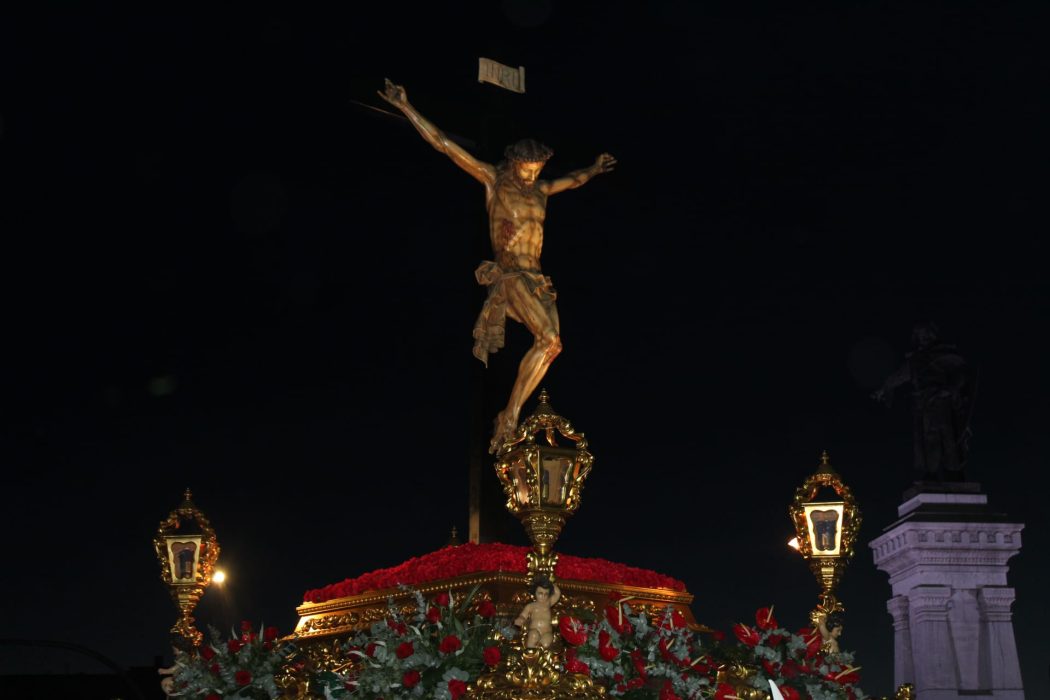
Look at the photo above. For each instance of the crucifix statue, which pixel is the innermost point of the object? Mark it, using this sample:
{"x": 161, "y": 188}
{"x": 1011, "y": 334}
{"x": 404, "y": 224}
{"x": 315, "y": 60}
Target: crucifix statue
{"x": 516, "y": 200}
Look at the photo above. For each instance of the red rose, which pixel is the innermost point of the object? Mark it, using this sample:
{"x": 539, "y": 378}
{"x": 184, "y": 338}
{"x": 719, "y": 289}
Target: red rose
{"x": 234, "y": 645}
{"x": 215, "y": 669}
{"x": 789, "y": 669}
{"x": 370, "y": 650}
{"x": 486, "y": 608}
{"x": 457, "y": 688}
{"x": 433, "y": 615}
{"x": 667, "y": 692}
{"x": 441, "y": 599}
{"x": 491, "y": 656}
{"x": 207, "y": 653}
{"x": 449, "y": 644}
{"x": 788, "y": 692}
{"x": 764, "y": 619}
{"x": 242, "y": 677}
{"x": 270, "y": 634}
{"x": 745, "y": 634}
{"x": 635, "y": 683}
{"x": 718, "y": 635}
{"x": 267, "y": 646}
{"x": 398, "y": 627}
{"x": 212, "y": 696}
{"x": 773, "y": 639}
{"x": 246, "y": 626}
{"x": 405, "y": 650}
{"x": 410, "y": 679}
{"x": 572, "y": 630}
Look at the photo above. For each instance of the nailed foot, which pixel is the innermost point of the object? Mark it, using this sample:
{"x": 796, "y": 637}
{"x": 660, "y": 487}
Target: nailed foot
{"x": 504, "y": 427}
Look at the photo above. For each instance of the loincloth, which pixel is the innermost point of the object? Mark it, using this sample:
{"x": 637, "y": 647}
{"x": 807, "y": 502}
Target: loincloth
{"x": 490, "y": 328}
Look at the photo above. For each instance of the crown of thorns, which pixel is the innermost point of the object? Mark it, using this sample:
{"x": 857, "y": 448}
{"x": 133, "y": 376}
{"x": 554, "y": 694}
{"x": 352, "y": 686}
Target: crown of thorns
{"x": 528, "y": 151}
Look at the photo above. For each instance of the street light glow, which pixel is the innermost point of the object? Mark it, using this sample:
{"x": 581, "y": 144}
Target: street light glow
{"x": 219, "y": 576}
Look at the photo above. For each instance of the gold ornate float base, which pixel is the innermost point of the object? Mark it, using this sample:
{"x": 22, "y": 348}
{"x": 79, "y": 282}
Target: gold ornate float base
{"x": 343, "y": 617}
{"x": 534, "y": 674}
{"x": 323, "y": 628}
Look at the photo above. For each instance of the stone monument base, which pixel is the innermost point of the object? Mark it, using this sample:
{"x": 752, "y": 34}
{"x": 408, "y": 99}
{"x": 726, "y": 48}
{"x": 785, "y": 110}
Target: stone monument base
{"x": 947, "y": 561}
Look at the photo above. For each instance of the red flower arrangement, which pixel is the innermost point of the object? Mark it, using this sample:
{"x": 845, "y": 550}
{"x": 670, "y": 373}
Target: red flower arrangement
{"x": 471, "y": 558}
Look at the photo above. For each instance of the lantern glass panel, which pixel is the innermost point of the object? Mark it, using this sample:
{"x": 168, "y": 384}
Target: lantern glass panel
{"x": 557, "y": 471}
{"x": 824, "y": 523}
{"x": 183, "y": 557}
{"x": 520, "y": 471}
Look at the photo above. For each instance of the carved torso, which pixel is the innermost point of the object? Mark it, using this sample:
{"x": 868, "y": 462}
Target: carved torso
{"x": 516, "y": 214}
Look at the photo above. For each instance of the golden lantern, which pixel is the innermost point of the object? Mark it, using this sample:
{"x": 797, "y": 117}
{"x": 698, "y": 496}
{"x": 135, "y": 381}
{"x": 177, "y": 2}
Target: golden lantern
{"x": 187, "y": 551}
{"x": 543, "y": 479}
{"x": 826, "y": 530}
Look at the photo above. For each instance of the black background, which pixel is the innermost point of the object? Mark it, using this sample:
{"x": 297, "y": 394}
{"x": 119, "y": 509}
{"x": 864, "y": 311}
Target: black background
{"x": 224, "y": 270}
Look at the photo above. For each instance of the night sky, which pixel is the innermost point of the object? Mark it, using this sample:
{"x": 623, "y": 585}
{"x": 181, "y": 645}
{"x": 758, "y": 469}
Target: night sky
{"x": 223, "y": 270}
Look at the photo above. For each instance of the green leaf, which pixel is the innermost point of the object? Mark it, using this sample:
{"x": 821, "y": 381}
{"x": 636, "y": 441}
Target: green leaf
{"x": 470, "y": 597}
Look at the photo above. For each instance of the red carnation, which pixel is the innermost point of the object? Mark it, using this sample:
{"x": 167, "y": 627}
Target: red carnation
{"x": 433, "y": 615}
{"x": 764, "y": 619}
{"x": 491, "y": 656}
{"x": 486, "y": 608}
{"x": 745, "y": 634}
{"x": 405, "y": 650}
{"x": 410, "y": 679}
{"x": 207, "y": 653}
{"x": 449, "y": 644}
{"x": 234, "y": 645}
{"x": 572, "y": 630}
{"x": 270, "y": 634}
{"x": 242, "y": 677}
{"x": 441, "y": 599}
{"x": 457, "y": 688}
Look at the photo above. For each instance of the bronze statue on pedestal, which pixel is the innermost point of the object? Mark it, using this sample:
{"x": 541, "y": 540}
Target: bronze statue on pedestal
{"x": 943, "y": 392}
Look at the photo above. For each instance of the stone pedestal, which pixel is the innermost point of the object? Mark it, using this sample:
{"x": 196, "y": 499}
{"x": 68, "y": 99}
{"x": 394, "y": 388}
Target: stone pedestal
{"x": 947, "y": 561}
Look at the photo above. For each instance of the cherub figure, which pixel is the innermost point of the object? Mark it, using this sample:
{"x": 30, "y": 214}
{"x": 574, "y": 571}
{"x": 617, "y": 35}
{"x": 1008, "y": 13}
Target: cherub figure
{"x": 536, "y": 616}
{"x": 830, "y": 628}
